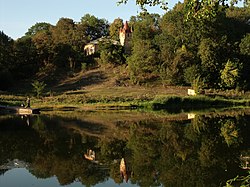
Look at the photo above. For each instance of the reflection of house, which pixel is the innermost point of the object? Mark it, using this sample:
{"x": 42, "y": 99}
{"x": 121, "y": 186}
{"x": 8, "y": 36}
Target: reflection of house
{"x": 245, "y": 160}
{"x": 90, "y": 155}
{"x": 93, "y": 46}
{"x": 124, "y": 170}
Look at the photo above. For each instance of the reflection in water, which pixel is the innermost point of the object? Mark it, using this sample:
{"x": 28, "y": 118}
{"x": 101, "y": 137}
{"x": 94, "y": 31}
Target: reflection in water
{"x": 125, "y": 173}
{"x": 162, "y": 150}
{"x": 90, "y": 155}
{"x": 27, "y": 118}
{"x": 245, "y": 161}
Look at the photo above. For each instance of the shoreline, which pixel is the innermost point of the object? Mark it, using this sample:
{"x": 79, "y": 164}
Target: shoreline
{"x": 164, "y": 102}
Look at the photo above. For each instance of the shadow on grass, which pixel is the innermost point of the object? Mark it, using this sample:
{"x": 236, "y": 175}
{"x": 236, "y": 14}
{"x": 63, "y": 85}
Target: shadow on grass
{"x": 88, "y": 79}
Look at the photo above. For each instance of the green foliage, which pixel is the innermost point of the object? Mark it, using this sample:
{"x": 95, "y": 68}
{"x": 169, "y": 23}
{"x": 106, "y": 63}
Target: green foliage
{"x": 167, "y": 48}
{"x": 25, "y": 58}
{"x": 143, "y": 3}
{"x": 197, "y": 84}
{"x": 114, "y": 28}
{"x": 6, "y": 79}
{"x": 230, "y": 132}
{"x": 84, "y": 66}
{"x": 38, "y": 27}
{"x": 245, "y": 45}
{"x": 145, "y": 26}
{"x": 230, "y": 74}
{"x": 38, "y": 87}
{"x": 208, "y": 52}
{"x": 142, "y": 66}
{"x": 6, "y": 51}
{"x": 95, "y": 27}
{"x": 111, "y": 53}
{"x": 243, "y": 181}
{"x": 176, "y": 70}
{"x": 175, "y": 103}
{"x": 190, "y": 75}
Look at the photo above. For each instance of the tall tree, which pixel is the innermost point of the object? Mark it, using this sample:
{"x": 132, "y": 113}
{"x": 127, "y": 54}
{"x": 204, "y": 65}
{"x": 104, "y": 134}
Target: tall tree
{"x": 142, "y": 66}
{"x": 201, "y": 10}
{"x": 38, "y": 27}
{"x": 95, "y": 27}
{"x": 6, "y": 60}
{"x": 6, "y": 50}
{"x": 63, "y": 31}
{"x": 115, "y": 27}
{"x": 68, "y": 40}
{"x": 145, "y": 26}
{"x": 25, "y": 57}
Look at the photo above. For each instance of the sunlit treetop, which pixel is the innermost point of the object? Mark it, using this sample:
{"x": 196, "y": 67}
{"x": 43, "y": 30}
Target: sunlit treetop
{"x": 142, "y": 3}
{"x": 198, "y": 9}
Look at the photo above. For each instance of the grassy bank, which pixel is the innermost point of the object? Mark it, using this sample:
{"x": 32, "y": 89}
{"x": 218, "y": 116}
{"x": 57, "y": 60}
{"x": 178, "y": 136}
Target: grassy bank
{"x": 149, "y": 102}
{"x": 194, "y": 103}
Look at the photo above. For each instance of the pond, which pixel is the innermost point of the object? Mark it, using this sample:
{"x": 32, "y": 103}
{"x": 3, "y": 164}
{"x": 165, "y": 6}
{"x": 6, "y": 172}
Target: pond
{"x": 124, "y": 148}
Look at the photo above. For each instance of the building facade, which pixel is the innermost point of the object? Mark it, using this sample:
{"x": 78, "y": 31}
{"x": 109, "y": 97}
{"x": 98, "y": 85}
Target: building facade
{"x": 125, "y": 35}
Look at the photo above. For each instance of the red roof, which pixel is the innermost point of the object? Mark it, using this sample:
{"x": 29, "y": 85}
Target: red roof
{"x": 126, "y": 28}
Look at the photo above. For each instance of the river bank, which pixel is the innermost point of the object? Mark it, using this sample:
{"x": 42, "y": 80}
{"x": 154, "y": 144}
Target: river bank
{"x": 173, "y": 103}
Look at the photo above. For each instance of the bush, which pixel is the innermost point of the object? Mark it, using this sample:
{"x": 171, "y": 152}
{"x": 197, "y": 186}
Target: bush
{"x": 6, "y": 79}
{"x": 38, "y": 87}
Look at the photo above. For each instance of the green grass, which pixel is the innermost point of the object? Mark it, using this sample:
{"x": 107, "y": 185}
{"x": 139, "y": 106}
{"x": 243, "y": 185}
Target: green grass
{"x": 97, "y": 88}
{"x": 194, "y": 102}
{"x": 101, "y": 102}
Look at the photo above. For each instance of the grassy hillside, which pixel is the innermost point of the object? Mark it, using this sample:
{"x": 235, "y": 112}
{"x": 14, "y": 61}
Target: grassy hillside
{"x": 105, "y": 87}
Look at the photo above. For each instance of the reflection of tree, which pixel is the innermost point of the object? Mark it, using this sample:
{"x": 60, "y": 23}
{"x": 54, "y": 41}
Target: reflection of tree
{"x": 177, "y": 153}
{"x": 230, "y": 132}
{"x": 115, "y": 173}
{"x": 52, "y": 151}
{"x": 144, "y": 144}
{"x": 112, "y": 148}
{"x": 17, "y": 140}
{"x": 172, "y": 135}
{"x": 173, "y": 153}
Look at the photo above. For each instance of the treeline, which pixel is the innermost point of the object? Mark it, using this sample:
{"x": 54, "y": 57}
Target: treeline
{"x": 211, "y": 53}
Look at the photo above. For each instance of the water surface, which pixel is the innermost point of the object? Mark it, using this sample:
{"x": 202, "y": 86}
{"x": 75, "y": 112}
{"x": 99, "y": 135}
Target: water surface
{"x": 123, "y": 149}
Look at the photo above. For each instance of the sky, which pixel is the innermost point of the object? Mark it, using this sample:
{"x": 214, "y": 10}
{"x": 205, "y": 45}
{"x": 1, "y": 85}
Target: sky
{"x": 17, "y": 16}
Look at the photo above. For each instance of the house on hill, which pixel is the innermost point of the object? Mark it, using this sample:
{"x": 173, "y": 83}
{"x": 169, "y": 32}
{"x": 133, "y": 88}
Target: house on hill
{"x": 125, "y": 35}
{"x": 93, "y": 46}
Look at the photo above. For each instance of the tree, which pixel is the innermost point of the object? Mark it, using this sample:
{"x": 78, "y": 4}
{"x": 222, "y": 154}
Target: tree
{"x": 209, "y": 52}
{"x": 95, "y": 28}
{"x": 110, "y": 53}
{"x": 38, "y": 27}
{"x": 6, "y": 51}
{"x": 115, "y": 27}
{"x": 26, "y": 63}
{"x": 230, "y": 74}
{"x": 68, "y": 41}
{"x": 6, "y": 60}
{"x": 38, "y": 87}
{"x": 145, "y": 26}
{"x": 143, "y": 3}
{"x": 201, "y": 10}
{"x": 245, "y": 45}
{"x": 43, "y": 42}
{"x": 175, "y": 71}
{"x": 142, "y": 66}
{"x": 63, "y": 31}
